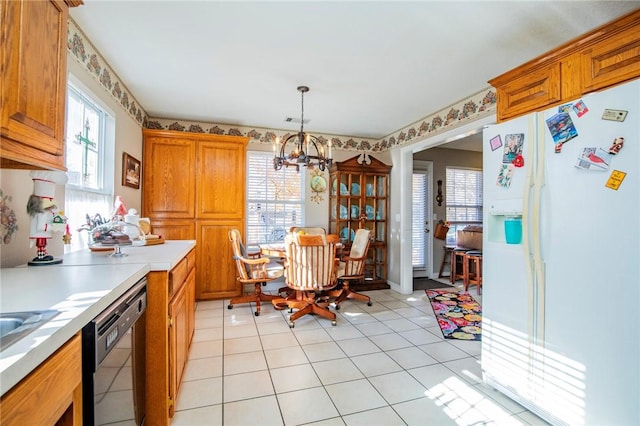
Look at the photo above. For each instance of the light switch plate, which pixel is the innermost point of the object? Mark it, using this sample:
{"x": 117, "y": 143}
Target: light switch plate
{"x": 614, "y": 114}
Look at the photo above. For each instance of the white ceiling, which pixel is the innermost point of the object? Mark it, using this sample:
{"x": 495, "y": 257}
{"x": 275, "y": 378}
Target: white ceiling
{"x": 373, "y": 67}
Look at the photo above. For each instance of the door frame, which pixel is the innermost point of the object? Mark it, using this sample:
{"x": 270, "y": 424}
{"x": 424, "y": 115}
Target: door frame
{"x": 406, "y": 171}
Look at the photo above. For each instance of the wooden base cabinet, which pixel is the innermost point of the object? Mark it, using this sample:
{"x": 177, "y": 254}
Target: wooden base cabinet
{"x": 33, "y": 71}
{"x": 50, "y": 394}
{"x": 170, "y": 320}
{"x": 194, "y": 188}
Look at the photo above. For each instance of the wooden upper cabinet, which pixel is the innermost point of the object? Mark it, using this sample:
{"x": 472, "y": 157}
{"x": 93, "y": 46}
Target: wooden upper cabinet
{"x": 607, "y": 56}
{"x": 168, "y": 175}
{"x": 614, "y": 60}
{"x": 221, "y": 167}
{"x": 529, "y": 92}
{"x": 34, "y": 76}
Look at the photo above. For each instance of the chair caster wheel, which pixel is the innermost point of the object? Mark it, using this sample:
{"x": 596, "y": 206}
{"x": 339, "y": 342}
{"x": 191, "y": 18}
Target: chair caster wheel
{"x": 257, "y": 313}
{"x": 337, "y": 307}
{"x": 230, "y": 307}
{"x": 291, "y": 324}
{"x": 334, "y": 323}
{"x": 369, "y": 304}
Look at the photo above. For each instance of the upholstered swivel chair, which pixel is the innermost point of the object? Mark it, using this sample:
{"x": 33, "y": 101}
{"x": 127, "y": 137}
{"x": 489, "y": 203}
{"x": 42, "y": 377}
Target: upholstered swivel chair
{"x": 351, "y": 269}
{"x": 252, "y": 270}
{"x": 310, "y": 270}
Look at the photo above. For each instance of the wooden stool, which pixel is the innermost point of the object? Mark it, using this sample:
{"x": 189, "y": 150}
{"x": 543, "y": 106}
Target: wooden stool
{"x": 446, "y": 260}
{"x": 473, "y": 270}
{"x": 457, "y": 263}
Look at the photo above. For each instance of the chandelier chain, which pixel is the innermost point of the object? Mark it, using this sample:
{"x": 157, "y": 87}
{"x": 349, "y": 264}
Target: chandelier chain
{"x": 302, "y": 116}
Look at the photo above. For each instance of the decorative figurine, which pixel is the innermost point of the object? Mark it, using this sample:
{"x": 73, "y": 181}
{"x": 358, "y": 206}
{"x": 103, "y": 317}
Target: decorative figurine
{"x": 45, "y": 217}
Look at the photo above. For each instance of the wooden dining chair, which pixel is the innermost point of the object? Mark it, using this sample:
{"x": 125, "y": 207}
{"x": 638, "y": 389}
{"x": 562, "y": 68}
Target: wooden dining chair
{"x": 310, "y": 271}
{"x": 351, "y": 269}
{"x": 252, "y": 269}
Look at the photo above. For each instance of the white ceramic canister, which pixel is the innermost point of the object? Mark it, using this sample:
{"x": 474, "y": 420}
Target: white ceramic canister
{"x": 132, "y": 218}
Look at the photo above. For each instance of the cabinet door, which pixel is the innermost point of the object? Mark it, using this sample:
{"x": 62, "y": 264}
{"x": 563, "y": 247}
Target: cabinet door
{"x": 178, "y": 341}
{"x": 221, "y": 180}
{"x": 34, "y": 82}
{"x": 50, "y": 394}
{"x": 178, "y": 229}
{"x": 529, "y": 92}
{"x": 215, "y": 269}
{"x": 612, "y": 61}
{"x": 349, "y": 214}
{"x": 190, "y": 288}
{"x": 168, "y": 177}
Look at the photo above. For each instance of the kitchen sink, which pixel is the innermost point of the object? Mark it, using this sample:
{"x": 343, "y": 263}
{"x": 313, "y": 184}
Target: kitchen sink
{"x": 15, "y": 325}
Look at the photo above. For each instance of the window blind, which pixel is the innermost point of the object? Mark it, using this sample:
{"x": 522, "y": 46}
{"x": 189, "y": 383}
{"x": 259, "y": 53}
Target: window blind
{"x": 419, "y": 191}
{"x": 464, "y": 195}
{"x": 275, "y": 199}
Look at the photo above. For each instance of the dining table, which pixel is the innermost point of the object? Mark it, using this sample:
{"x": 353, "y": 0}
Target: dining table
{"x": 273, "y": 250}
{"x": 278, "y": 250}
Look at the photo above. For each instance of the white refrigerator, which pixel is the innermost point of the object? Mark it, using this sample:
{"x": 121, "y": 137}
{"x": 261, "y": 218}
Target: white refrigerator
{"x": 561, "y": 259}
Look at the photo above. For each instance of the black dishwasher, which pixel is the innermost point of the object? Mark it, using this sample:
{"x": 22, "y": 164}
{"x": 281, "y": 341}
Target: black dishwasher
{"x": 113, "y": 361}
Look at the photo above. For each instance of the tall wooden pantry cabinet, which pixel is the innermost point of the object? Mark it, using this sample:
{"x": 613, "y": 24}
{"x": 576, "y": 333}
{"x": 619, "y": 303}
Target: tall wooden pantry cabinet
{"x": 193, "y": 187}
{"x": 359, "y": 198}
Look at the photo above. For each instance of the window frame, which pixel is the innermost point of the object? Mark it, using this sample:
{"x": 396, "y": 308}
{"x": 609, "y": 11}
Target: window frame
{"x": 106, "y": 140}
{"x": 100, "y": 198}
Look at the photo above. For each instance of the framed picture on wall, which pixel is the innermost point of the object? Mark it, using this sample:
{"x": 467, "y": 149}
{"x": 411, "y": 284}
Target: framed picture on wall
{"x": 130, "y": 171}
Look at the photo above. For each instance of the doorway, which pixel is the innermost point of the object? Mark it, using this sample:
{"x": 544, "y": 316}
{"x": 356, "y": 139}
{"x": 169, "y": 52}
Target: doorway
{"x": 404, "y": 217}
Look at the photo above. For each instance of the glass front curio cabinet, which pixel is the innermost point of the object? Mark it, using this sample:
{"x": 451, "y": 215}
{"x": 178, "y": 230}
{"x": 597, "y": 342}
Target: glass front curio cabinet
{"x": 359, "y": 198}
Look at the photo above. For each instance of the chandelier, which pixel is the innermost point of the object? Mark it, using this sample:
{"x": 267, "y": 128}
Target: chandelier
{"x": 301, "y": 147}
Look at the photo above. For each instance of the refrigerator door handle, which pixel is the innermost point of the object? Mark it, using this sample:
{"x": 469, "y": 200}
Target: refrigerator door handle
{"x": 537, "y": 246}
{"x": 526, "y": 225}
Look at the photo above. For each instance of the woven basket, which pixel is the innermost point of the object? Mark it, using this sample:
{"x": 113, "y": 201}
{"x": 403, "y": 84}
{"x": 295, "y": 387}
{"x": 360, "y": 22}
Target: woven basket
{"x": 441, "y": 232}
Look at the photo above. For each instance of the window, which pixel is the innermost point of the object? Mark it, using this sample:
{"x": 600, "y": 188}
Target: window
{"x": 89, "y": 135}
{"x": 464, "y": 200}
{"x": 275, "y": 199}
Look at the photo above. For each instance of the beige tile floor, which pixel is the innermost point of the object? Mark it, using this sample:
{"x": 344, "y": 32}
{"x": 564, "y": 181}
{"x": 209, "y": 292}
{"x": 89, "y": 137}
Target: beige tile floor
{"x": 386, "y": 364}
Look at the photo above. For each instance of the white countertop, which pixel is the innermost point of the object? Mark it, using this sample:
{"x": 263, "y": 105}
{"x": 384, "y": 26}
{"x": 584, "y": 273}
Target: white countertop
{"x": 160, "y": 257}
{"x": 81, "y": 288}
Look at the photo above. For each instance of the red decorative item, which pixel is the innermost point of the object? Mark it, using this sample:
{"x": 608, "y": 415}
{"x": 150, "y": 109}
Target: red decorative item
{"x": 518, "y": 161}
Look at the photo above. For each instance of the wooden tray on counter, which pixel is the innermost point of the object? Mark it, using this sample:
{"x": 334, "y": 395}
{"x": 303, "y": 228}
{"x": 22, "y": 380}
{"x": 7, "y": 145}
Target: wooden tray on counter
{"x": 100, "y": 247}
{"x": 154, "y": 241}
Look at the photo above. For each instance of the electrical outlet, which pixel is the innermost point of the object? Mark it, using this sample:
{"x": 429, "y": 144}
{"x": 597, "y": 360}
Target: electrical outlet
{"x": 614, "y": 115}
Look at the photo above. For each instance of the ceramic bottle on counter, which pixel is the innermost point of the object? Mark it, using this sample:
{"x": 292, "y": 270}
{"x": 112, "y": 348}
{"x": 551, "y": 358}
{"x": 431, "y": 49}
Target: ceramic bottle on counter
{"x": 132, "y": 218}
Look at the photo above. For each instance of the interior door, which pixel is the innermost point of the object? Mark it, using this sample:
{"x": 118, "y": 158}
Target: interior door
{"x": 422, "y": 241}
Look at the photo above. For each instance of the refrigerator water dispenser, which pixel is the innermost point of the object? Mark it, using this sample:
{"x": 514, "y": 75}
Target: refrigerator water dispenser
{"x": 505, "y": 221}
{"x": 513, "y": 230}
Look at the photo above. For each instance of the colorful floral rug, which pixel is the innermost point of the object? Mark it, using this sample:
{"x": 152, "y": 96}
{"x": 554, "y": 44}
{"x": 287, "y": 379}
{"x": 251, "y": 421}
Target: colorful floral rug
{"x": 459, "y": 315}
